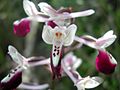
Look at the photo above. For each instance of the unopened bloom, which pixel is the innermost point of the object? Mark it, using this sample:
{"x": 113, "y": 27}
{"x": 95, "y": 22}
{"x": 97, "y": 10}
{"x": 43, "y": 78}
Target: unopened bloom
{"x": 101, "y": 43}
{"x": 105, "y": 62}
{"x": 22, "y": 27}
{"x": 58, "y": 37}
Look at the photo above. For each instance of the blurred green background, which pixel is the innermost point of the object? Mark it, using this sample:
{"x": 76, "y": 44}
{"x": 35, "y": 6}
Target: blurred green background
{"x": 106, "y": 17}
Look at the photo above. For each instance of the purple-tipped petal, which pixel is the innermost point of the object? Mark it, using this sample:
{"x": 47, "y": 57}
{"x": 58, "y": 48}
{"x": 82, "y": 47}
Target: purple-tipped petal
{"x": 22, "y": 27}
{"x": 105, "y": 63}
{"x": 13, "y": 83}
{"x": 51, "y": 23}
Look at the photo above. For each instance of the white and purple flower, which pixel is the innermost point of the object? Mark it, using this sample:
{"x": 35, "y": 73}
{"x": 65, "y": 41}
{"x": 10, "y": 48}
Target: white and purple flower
{"x": 105, "y": 62}
{"x": 58, "y": 37}
{"x": 79, "y": 82}
{"x": 14, "y": 78}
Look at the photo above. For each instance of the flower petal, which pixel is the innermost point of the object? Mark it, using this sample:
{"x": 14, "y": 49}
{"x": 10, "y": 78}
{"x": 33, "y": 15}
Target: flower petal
{"x": 29, "y": 86}
{"x": 16, "y": 56}
{"x": 70, "y": 34}
{"x": 106, "y": 40}
{"x": 22, "y": 27}
{"x": 47, "y": 9}
{"x": 87, "y": 40}
{"x": 73, "y": 15}
{"x": 105, "y": 62}
{"x": 29, "y": 8}
{"x": 93, "y": 82}
{"x": 47, "y": 35}
{"x": 82, "y": 13}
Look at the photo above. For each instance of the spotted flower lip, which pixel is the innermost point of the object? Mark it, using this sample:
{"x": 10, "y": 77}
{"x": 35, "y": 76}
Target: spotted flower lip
{"x": 48, "y": 13}
{"x": 22, "y": 27}
{"x": 101, "y": 43}
{"x": 105, "y": 62}
{"x": 58, "y": 37}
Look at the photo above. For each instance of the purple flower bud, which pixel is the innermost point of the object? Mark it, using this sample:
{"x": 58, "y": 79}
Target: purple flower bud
{"x": 105, "y": 63}
{"x": 22, "y": 27}
{"x": 52, "y": 24}
{"x": 13, "y": 83}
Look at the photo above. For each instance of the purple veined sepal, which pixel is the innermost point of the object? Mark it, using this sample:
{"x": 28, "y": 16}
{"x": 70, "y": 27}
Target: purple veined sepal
{"x": 21, "y": 27}
{"x": 105, "y": 62}
{"x": 12, "y": 80}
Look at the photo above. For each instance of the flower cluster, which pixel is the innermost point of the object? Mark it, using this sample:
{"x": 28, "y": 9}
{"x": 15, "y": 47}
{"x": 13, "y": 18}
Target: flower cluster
{"x": 59, "y": 31}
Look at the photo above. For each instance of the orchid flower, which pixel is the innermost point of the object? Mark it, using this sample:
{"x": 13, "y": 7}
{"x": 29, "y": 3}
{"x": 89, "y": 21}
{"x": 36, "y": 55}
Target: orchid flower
{"x": 58, "y": 37}
{"x": 101, "y": 43}
{"x": 48, "y": 13}
{"x": 14, "y": 78}
{"x": 105, "y": 62}
{"x": 79, "y": 82}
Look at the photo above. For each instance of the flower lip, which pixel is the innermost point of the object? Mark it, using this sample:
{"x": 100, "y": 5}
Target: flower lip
{"x": 105, "y": 62}
{"x": 22, "y": 27}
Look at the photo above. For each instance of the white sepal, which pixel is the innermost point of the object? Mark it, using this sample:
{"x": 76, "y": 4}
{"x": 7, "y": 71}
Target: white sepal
{"x": 47, "y": 9}
{"x": 82, "y": 13}
{"x": 89, "y": 83}
{"x": 93, "y": 82}
{"x": 15, "y": 55}
{"x": 106, "y": 40}
{"x": 47, "y": 34}
{"x": 70, "y": 34}
{"x": 29, "y": 8}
